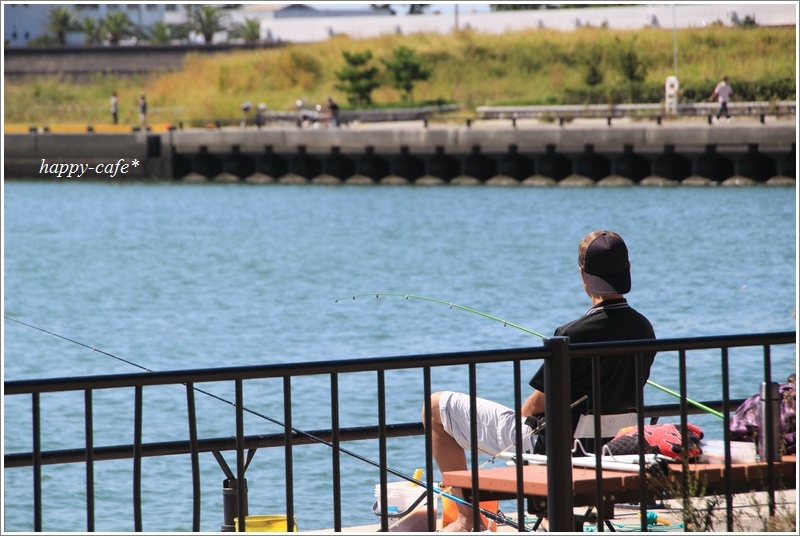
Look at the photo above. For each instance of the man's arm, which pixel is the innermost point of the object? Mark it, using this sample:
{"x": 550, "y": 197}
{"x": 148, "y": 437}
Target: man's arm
{"x": 534, "y": 405}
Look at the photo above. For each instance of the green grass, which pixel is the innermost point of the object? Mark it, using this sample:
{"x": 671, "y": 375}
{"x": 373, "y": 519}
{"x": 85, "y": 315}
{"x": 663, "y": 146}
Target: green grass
{"x": 469, "y": 68}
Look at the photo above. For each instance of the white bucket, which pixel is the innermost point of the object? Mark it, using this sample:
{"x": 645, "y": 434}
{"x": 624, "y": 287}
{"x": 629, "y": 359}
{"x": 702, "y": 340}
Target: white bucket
{"x": 400, "y": 497}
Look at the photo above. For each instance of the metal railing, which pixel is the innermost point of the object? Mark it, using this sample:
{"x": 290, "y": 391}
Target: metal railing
{"x": 656, "y": 111}
{"x": 556, "y": 355}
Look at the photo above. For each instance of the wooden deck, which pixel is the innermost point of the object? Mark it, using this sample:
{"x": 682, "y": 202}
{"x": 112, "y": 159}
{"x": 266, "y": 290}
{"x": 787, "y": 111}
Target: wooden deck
{"x": 624, "y": 487}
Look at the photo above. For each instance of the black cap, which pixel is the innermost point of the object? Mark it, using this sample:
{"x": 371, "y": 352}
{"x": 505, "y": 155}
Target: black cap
{"x": 603, "y": 257}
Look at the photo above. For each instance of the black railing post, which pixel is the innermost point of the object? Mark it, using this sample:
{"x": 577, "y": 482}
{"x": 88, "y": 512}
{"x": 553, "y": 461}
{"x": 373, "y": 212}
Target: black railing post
{"x": 241, "y": 508}
{"x": 195, "y": 457}
{"x": 37, "y": 461}
{"x": 288, "y": 455}
{"x": 137, "y": 458}
{"x": 335, "y": 458}
{"x": 89, "y": 420}
{"x": 230, "y": 503}
{"x": 559, "y": 434}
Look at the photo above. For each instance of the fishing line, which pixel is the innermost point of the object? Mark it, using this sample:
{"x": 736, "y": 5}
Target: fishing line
{"x": 491, "y": 515}
{"x": 526, "y": 330}
{"x": 451, "y": 306}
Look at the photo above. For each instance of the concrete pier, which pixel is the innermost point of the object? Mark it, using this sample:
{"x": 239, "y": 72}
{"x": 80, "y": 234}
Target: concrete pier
{"x": 525, "y": 152}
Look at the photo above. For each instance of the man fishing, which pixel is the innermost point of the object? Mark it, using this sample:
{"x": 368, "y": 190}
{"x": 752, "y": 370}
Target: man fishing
{"x": 605, "y": 270}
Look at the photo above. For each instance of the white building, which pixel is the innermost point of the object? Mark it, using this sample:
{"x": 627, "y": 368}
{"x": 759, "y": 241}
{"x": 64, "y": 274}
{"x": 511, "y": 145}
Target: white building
{"x": 628, "y": 17}
{"x": 317, "y": 21}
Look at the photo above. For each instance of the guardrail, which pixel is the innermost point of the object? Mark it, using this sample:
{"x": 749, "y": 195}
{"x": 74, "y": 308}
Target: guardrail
{"x": 658, "y": 112}
{"x": 556, "y": 355}
{"x": 301, "y": 118}
{"x": 561, "y": 113}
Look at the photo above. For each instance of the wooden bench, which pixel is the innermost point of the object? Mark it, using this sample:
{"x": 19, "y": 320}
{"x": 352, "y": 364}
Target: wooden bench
{"x": 618, "y": 486}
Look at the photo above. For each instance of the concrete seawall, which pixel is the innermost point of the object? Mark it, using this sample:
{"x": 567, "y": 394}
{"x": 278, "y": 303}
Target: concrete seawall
{"x": 483, "y": 152}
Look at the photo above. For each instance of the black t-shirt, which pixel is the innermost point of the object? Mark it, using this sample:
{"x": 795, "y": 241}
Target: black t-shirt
{"x": 611, "y": 320}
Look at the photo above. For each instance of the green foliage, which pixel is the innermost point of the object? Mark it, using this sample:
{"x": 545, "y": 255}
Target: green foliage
{"x": 207, "y": 20}
{"x": 405, "y": 69}
{"x": 467, "y": 67}
{"x": 594, "y": 70}
{"x": 159, "y": 33}
{"x": 61, "y": 21}
{"x": 358, "y": 79}
{"x": 94, "y": 30}
{"x": 631, "y": 66}
{"x": 118, "y": 26}
{"x": 249, "y": 30}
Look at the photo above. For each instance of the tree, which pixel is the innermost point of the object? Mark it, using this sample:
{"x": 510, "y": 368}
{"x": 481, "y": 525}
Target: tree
{"x": 207, "y": 20}
{"x": 357, "y": 78}
{"x": 118, "y": 26}
{"x": 383, "y": 6}
{"x": 159, "y": 33}
{"x": 405, "y": 70}
{"x": 61, "y": 21}
{"x": 94, "y": 30}
{"x": 249, "y": 30}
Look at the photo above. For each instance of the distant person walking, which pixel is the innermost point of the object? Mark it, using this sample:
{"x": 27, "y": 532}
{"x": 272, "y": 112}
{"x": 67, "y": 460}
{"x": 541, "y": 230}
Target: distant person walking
{"x": 261, "y": 112}
{"x": 143, "y": 111}
{"x": 333, "y": 109}
{"x": 723, "y": 92}
{"x": 114, "y": 108}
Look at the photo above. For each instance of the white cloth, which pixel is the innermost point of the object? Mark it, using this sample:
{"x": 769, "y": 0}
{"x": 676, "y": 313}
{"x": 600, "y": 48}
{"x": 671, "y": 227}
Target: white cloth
{"x": 496, "y": 424}
{"x": 723, "y": 91}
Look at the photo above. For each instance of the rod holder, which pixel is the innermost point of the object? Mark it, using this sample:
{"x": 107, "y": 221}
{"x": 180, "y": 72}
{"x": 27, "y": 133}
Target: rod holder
{"x": 230, "y": 504}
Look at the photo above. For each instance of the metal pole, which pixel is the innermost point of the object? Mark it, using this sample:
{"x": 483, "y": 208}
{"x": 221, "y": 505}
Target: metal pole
{"x": 558, "y": 436}
{"x": 230, "y": 503}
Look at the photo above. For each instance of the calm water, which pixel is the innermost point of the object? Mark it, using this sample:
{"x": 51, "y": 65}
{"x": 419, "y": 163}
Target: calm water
{"x": 189, "y": 276}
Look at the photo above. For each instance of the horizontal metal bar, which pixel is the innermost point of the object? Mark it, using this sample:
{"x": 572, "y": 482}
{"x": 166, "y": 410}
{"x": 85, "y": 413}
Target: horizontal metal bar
{"x": 198, "y": 376}
{"x": 383, "y": 363}
{"x": 170, "y": 448}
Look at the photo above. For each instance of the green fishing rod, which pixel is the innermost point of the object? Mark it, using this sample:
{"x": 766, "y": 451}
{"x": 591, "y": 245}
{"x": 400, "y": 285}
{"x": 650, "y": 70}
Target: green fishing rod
{"x": 499, "y": 518}
{"x": 526, "y": 330}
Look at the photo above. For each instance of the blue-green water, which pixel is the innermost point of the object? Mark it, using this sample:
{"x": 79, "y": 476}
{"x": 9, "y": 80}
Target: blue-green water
{"x": 191, "y": 276}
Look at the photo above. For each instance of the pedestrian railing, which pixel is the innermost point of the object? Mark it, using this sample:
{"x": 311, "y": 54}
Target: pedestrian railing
{"x": 657, "y": 111}
{"x": 555, "y": 354}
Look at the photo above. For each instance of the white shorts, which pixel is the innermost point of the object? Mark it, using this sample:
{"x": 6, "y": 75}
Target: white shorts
{"x": 496, "y": 424}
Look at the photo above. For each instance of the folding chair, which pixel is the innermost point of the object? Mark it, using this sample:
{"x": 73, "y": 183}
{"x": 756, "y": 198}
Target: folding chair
{"x": 584, "y": 446}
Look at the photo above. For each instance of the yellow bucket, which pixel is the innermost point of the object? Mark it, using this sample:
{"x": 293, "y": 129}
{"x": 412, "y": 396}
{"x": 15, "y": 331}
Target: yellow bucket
{"x": 265, "y": 523}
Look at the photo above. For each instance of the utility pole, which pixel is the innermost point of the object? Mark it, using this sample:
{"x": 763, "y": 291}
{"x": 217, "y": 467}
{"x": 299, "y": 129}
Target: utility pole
{"x": 456, "y": 14}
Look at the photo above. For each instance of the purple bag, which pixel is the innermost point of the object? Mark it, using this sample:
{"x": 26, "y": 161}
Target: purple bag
{"x": 744, "y": 421}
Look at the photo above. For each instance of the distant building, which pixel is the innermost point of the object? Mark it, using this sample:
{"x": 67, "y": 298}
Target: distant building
{"x": 25, "y": 22}
{"x": 286, "y": 11}
{"x": 304, "y": 23}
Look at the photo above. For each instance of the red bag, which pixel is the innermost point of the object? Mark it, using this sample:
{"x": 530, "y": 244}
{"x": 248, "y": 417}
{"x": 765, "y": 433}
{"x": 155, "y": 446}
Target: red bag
{"x": 664, "y": 439}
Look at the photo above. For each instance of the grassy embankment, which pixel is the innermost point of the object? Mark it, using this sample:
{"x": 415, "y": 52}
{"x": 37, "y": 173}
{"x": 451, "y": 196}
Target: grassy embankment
{"x": 471, "y": 69}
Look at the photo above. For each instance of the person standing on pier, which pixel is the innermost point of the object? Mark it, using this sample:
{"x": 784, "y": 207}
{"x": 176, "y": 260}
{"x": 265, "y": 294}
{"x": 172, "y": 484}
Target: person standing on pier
{"x": 333, "y": 109}
{"x": 723, "y": 92}
{"x": 605, "y": 271}
{"x": 143, "y": 111}
{"x": 114, "y": 108}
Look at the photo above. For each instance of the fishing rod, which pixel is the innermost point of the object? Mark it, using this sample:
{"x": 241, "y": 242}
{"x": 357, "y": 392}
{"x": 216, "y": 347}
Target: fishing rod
{"x": 499, "y": 518}
{"x": 526, "y": 330}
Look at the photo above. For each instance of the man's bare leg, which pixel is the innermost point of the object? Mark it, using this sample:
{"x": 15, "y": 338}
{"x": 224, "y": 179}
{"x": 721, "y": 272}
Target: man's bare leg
{"x": 449, "y": 456}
